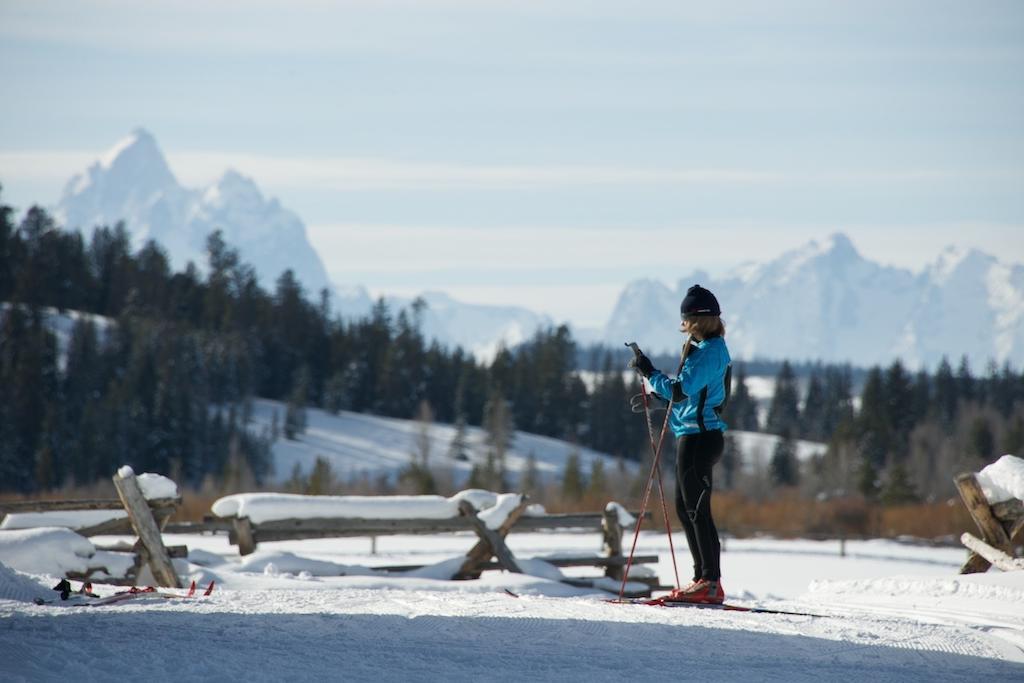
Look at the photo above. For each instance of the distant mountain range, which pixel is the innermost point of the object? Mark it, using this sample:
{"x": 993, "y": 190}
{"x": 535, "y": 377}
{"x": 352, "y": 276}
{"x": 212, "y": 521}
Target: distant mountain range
{"x": 823, "y": 301}
{"x": 133, "y": 183}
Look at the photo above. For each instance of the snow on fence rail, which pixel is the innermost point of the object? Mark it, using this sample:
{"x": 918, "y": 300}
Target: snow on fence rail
{"x": 146, "y": 503}
{"x": 993, "y": 497}
{"x": 265, "y": 517}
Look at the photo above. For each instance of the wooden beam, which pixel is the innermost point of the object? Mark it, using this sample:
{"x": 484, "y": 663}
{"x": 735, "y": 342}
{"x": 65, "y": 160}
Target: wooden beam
{"x": 981, "y": 512}
{"x": 111, "y": 527}
{"x": 1015, "y": 530}
{"x": 975, "y": 564}
{"x": 480, "y": 553}
{"x": 146, "y": 528}
{"x": 612, "y": 530}
{"x": 85, "y": 504}
{"x": 592, "y": 561}
{"x": 243, "y": 536}
{"x": 353, "y": 526}
{"x": 211, "y": 526}
{"x": 583, "y": 520}
{"x": 584, "y": 561}
{"x": 1009, "y": 510}
{"x": 491, "y": 538}
{"x": 994, "y": 555}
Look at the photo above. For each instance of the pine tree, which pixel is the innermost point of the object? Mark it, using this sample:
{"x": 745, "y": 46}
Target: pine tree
{"x": 401, "y": 385}
{"x": 741, "y": 412}
{"x": 784, "y": 411}
{"x": 1013, "y": 439}
{"x": 419, "y": 474}
{"x": 275, "y": 426}
{"x": 321, "y": 478}
{"x": 597, "y": 487}
{"x": 500, "y": 433}
{"x": 458, "y": 449}
{"x": 296, "y": 482}
{"x": 784, "y": 468}
{"x": 11, "y": 251}
{"x": 945, "y": 394}
{"x": 867, "y": 478}
{"x": 812, "y": 417}
{"x": 295, "y": 412}
{"x": 982, "y": 440}
{"x": 965, "y": 382}
{"x": 28, "y": 387}
{"x": 838, "y": 401}
{"x": 899, "y": 409}
{"x": 238, "y": 474}
{"x": 897, "y": 488}
{"x": 573, "y": 485}
{"x": 730, "y": 462}
{"x": 874, "y": 427}
{"x": 336, "y": 396}
{"x": 531, "y": 476}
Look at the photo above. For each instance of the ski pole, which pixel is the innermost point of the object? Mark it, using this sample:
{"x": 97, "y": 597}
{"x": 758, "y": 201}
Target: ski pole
{"x": 655, "y": 468}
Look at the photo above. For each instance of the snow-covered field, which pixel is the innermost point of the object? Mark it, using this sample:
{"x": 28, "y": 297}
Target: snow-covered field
{"x": 362, "y": 445}
{"x": 891, "y": 612}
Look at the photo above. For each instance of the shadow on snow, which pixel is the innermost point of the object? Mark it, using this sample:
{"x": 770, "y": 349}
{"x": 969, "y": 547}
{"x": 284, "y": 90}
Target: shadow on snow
{"x": 160, "y": 645}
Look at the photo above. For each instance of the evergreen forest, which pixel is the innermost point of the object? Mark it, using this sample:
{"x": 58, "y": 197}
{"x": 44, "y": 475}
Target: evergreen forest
{"x": 107, "y": 351}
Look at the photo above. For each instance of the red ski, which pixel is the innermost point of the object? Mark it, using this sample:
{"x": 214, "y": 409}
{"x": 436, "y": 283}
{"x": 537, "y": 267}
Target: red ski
{"x": 86, "y": 598}
{"x": 726, "y": 607}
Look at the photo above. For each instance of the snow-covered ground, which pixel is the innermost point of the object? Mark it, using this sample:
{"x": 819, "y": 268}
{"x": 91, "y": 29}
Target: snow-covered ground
{"x": 324, "y": 609}
{"x": 891, "y": 612}
{"x": 360, "y": 444}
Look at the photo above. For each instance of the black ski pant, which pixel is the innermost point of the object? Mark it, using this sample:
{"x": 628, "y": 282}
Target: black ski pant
{"x": 696, "y": 454}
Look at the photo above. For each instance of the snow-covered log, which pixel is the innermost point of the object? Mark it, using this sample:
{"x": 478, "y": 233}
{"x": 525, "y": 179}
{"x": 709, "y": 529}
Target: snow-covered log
{"x": 145, "y": 526}
{"x": 485, "y": 548}
{"x": 995, "y": 556}
{"x": 992, "y": 499}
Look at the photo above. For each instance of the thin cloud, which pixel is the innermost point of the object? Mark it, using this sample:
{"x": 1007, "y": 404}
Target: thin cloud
{"x": 355, "y": 174}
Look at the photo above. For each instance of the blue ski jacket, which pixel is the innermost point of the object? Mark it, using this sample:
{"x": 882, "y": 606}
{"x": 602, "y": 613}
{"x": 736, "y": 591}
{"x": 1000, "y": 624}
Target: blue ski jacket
{"x": 699, "y": 390}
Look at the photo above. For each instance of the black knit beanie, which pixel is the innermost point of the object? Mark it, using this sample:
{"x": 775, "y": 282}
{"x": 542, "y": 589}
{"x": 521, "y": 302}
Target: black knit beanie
{"x": 699, "y": 301}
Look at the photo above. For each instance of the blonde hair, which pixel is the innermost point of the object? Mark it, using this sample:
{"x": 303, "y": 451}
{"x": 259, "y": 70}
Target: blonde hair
{"x": 704, "y": 326}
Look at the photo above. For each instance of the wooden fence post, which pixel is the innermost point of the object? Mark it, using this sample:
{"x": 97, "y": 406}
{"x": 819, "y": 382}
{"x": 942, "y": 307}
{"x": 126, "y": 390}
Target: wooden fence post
{"x": 244, "y": 536}
{"x": 145, "y": 527}
{"x": 612, "y": 530}
{"x": 992, "y": 530}
{"x": 491, "y": 542}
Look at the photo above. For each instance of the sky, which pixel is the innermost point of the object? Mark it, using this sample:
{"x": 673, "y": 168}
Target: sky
{"x": 546, "y": 153}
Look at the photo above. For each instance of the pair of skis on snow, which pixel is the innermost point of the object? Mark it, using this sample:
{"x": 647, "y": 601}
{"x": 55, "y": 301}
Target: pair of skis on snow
{"x": 84, "y": 597}
{"x": 725, "y": 607}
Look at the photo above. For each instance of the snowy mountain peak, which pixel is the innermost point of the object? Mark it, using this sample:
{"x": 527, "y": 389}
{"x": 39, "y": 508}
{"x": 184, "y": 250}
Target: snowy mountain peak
{"x": 135, "y": 160}
{"x": 644, "y": 287}
{"x": 835, "y": 249}
{"x": 234, "y": 188}
{"x": 957, "y": 261}
{"x": 824, "y": 301}
{"x": 138, "y": 146}
{"x": 132, "y": 182}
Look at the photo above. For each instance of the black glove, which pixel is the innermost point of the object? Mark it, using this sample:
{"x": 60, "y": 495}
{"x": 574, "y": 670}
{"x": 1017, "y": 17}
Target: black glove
{"x": 642, "y": 364}
{"x": 654, "y": 402}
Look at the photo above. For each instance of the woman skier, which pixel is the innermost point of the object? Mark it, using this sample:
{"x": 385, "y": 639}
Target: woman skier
{"x": 698, "y": 394}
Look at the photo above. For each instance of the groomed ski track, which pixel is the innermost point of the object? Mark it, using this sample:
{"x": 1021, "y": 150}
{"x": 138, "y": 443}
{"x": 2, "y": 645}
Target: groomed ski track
{"x": 373, "y": 634}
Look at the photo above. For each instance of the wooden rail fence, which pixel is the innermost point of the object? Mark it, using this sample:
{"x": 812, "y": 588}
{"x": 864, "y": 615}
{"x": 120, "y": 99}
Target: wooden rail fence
{"x": 1001, "y": 526}
{"x": 489, "y": 553}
